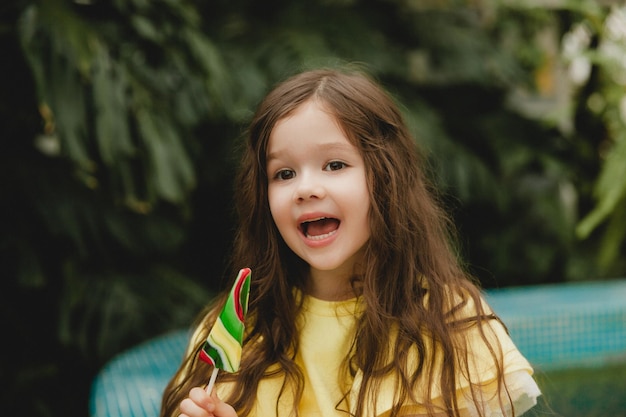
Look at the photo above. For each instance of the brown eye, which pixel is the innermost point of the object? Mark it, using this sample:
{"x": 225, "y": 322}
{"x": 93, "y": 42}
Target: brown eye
{"x": 285, "y": 174}
{"x": 334, "y": 166}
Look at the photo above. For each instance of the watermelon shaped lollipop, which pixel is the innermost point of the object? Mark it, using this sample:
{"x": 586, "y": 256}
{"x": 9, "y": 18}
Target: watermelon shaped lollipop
{"x": 222, "y": 348}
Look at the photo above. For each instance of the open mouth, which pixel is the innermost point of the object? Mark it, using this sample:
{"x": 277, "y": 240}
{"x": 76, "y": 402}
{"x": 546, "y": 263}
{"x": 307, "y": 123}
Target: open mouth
{"x": 318, "y": 229}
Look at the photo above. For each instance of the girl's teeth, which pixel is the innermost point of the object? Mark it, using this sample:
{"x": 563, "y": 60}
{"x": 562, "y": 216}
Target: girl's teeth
{"x": 320, "y": 237}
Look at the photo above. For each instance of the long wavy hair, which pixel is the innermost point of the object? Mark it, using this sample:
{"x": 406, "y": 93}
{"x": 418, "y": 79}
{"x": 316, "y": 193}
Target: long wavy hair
{"x": 412, "y": 280}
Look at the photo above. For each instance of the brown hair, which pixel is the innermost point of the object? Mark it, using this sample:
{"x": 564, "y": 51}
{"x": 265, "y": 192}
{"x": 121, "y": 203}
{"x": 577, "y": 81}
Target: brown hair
{"x": 412, "y": 280}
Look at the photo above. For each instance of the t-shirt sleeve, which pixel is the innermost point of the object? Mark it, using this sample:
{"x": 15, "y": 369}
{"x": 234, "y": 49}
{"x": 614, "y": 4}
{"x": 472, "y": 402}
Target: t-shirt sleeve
{"x": 520, "y": 386}
{"x": 522, "y": 389}
{"x": 477, "y": 381}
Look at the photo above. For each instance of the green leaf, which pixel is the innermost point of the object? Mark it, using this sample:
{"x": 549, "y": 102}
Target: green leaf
{"x": 146, "y": 28}
{"x": 614, "y": 237}
{"x": 171, "y": 170}
{"x": 111, "y": 110}
{"x": 610, "y": 188}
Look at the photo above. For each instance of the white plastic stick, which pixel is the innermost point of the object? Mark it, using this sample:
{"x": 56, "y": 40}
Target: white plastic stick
{"x": 209, "y": 387}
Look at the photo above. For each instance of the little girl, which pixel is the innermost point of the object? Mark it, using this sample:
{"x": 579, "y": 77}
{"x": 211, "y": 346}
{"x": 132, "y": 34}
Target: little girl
{"x": 358, "y": 303}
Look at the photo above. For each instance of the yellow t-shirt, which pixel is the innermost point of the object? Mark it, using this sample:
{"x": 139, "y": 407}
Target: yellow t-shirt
{"x": 326, "y": 334}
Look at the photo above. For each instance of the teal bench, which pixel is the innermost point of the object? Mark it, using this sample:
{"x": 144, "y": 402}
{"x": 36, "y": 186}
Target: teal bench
{"x": 554, "y": 326}
{"x": 131, "y": 384}
{"x": 566, "y": 325}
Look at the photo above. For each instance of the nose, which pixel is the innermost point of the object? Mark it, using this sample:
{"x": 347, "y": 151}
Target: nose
{"x": 309, "y": 187}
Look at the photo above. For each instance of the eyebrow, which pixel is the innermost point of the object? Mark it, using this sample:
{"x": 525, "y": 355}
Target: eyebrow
{"x": 330, "y": 146}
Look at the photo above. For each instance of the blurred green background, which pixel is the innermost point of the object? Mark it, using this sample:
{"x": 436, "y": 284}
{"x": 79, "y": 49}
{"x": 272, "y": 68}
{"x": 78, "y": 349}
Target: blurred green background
{"x": 120, "y": 121}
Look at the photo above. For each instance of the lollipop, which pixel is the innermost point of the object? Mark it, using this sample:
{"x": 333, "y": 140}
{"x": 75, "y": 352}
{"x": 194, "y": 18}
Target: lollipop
{"x": 222, "y": 348}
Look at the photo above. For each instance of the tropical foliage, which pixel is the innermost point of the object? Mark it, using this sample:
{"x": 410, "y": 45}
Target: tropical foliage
{"x": 121, "y": 121}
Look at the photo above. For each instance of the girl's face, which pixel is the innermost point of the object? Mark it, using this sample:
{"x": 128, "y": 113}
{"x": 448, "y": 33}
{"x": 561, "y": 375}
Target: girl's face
{"x": 318, "y": 192}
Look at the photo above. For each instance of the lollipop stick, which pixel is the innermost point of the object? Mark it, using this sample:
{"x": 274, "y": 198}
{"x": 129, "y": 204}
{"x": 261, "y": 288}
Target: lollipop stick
{"x": 209, "y": 387}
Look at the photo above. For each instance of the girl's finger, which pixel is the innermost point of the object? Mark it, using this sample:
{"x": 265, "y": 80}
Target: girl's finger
{"x": 198, "y": 404}
{"x": 221, "y": 409}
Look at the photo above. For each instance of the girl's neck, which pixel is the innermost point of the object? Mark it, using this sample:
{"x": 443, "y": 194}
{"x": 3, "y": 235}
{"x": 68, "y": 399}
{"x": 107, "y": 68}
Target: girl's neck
{"x": 330, "y": 285}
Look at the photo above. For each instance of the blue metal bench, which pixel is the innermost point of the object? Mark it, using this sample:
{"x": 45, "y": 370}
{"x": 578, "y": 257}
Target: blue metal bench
{"x": 554, "y": 326}
{"x": 132, "y": 383}
{"x": 566, "y": 325}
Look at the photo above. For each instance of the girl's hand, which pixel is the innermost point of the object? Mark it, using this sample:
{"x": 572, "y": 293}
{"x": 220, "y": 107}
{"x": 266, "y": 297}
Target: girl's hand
{"x": 201, "y": 404}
